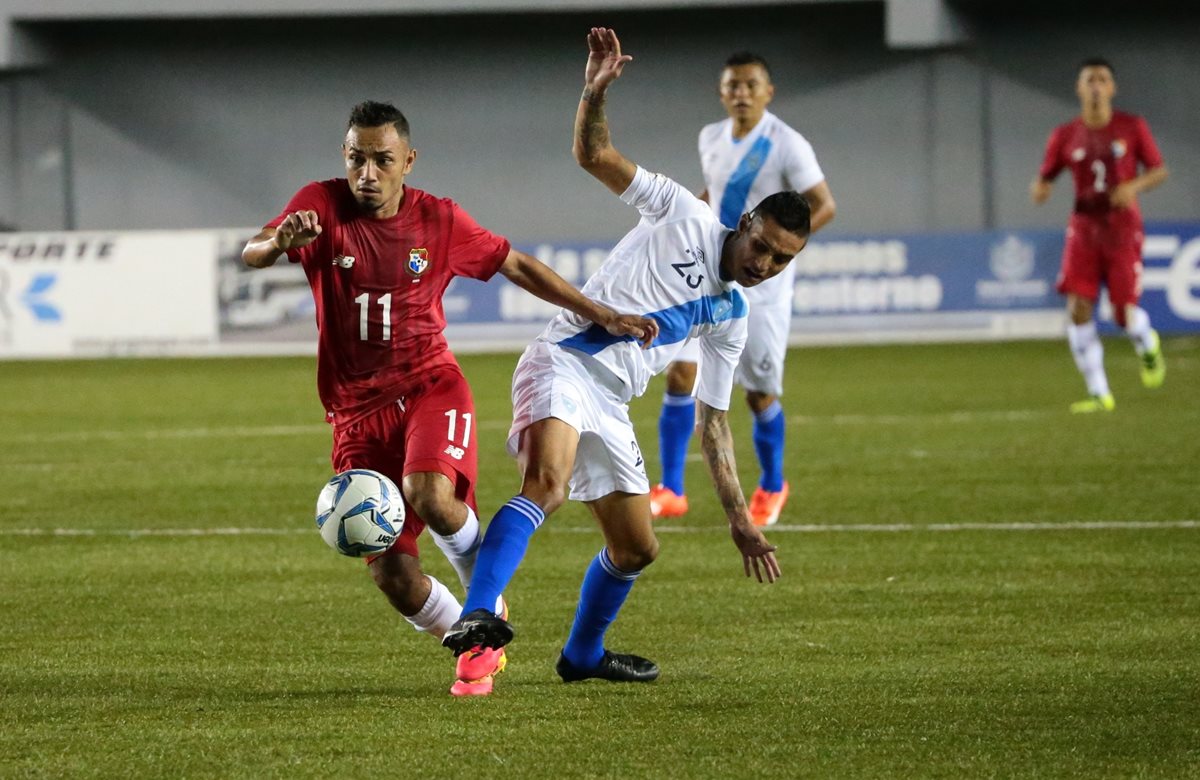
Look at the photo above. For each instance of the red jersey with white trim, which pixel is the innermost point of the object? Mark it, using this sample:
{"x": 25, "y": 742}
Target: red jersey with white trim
{"x": 1100, "y": 159}
{"x": 378, "y": 285}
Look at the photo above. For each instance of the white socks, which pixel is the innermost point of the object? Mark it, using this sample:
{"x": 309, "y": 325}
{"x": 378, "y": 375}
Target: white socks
{"x": 1089, "y": 356}
{"x": 439, "y": 613}
{"x": 462, "y": 547}
{"x": 1137, "y": 327}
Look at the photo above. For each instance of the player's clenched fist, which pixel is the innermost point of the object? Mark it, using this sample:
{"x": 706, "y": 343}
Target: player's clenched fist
{"x": 300, "y": 228}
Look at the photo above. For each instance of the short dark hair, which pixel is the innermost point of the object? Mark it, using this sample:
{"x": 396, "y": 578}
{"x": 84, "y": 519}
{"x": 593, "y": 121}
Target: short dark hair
{"x": 370, "y": 113}
{"x": 790, "y": 209}
{"x": 1096, "y": 62}
{"x": 747, "y": 58}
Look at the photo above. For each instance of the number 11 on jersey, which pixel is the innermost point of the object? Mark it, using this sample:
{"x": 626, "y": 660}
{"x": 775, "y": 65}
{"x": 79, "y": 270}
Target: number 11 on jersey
{"x": 364, "y": 304}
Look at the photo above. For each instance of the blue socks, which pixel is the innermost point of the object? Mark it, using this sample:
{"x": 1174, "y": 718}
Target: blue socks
{"x": 768, "y": 444}
{"x": 604, "y": 590}
{"x": 675, "y": 424}
{"x": 501, "y": 552}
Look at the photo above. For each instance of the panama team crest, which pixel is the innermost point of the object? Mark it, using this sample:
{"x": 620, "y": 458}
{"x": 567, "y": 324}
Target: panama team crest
{"x": 1119, "y": 148}
{"x": 418, "y": 261}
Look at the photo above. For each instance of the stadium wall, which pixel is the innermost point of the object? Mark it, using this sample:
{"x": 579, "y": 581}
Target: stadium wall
{"x": 174, "y": 124}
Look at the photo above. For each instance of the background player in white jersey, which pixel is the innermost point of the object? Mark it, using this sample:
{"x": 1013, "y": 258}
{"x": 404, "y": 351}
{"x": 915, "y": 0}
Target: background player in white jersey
{"x": 571, "y": 424}
{"x": 745, "y": 158}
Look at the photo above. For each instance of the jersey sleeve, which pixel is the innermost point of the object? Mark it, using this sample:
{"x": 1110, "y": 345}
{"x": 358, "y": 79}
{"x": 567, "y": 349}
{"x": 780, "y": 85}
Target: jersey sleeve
{"x": 800, "y": 165}
{"x": 720, "y": 350}
{"x": 1052, "y": 160}
{"x": 659, "y": 198}
{"x": 1147, "y": 150}
{"x": 475, "y": 252}
{"x": 311, "y": 197}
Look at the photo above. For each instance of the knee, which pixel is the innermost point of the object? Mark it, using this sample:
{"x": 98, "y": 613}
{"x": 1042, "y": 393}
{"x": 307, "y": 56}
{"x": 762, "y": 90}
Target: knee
{"x": 434, "y": 502}
{"x": 681, "y": 378}
{"x": 1080, "y": 310}
{"x": 635, "y": 556}
{"x": 758, "y": 402}
{"x": 547, "y": 491}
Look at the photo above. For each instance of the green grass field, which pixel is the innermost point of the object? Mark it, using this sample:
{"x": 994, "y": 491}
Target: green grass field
{"x": 959, "y": 643}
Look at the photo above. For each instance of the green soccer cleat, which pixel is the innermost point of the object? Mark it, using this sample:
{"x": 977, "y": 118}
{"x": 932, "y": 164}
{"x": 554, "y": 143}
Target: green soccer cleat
{"x": 1097, "y": 403}
{"x": 1154, "y": 365}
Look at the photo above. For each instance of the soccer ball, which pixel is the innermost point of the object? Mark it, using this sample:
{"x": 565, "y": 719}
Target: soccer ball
{"x": 360, "y": 512}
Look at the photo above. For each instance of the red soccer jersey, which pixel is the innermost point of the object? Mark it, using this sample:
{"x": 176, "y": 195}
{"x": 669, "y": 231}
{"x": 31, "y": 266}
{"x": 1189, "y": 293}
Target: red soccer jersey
{"x": 378, "y": 285}
{"x": 1100, "y": 159}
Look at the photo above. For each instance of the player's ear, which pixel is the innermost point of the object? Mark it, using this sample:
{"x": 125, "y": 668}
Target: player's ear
{"x": 744, "y": 223}
{"x": 770, "y": 91}
{"x": 409, "y": 160}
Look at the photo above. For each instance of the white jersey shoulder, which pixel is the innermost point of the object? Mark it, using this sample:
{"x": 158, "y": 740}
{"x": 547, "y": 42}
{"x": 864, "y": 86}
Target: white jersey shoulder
{"x": 668, "y": 268}
{"x": 739, "y": 173}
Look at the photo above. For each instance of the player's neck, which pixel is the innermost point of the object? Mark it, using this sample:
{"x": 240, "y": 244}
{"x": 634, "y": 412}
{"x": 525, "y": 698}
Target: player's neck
{"x": 743, "y": 127}
{"x": 1096, "y": 117}
{"x": 389, "y": 209}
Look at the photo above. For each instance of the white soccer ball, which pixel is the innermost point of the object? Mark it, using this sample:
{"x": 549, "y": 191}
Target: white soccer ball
{"x": 360, "y": 512}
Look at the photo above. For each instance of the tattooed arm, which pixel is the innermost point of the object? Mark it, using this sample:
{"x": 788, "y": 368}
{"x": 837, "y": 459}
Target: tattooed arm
{"x": 717, "y": 444}
{"x": 593, "y": 150}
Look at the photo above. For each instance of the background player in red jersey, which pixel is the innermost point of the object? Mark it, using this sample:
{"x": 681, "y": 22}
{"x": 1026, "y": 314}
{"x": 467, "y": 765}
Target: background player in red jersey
{"x": 378, "y": 256}
{"x": 1103, "y": 148}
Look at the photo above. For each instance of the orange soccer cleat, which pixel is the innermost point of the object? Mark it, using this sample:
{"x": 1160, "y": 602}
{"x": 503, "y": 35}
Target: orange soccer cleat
{"x": 476, "y": 669}
{"x": 766, "y": 506}
{"x": 665, "y": 502}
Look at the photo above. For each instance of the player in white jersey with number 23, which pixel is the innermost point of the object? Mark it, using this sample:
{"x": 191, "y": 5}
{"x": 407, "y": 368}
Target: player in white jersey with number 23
{"x": 684, "y": 270}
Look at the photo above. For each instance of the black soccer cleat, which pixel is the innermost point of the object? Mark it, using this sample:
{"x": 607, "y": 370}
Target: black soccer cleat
{"x": 617, "y": 667}
{"x": 478, "y": 628}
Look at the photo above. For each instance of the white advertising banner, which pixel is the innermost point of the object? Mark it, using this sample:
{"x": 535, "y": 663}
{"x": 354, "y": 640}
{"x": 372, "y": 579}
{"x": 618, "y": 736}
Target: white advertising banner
{"x": 104, "y": 294}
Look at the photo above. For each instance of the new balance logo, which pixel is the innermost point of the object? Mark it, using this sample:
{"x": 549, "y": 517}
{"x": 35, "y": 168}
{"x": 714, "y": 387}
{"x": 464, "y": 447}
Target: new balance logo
{"x": 344, "y": 261}
{"x": 455, "y": 452}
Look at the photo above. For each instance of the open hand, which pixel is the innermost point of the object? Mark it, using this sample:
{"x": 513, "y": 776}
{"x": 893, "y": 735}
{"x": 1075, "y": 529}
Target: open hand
{"x": 605, "y": 61}
{"x": 756, "y": 551}
{"x": 300, "y": 228}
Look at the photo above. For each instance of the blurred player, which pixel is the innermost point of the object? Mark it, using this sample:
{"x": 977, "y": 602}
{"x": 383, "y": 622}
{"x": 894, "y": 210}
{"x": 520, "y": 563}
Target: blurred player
{"x": 745, "y": 158}
{"x": 572, "y": 386}
{"x": 1103, "y": 148}
{"x": 378, "y": 256}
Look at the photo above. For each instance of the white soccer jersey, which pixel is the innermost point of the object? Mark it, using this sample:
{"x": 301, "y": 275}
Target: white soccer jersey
{"x": 666, "y": 268}
{"x": 738, "y": 174}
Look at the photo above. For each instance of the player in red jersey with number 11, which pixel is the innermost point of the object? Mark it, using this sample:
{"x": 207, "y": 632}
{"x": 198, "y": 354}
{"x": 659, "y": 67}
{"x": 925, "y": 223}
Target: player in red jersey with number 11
{"x": 1103, "y": 149}
{"x": 378, "y": 256}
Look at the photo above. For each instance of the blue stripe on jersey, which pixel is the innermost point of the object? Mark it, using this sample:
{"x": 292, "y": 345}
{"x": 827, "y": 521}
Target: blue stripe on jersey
{"x": 674, "y": 323}
{"x": 733, "y": 201}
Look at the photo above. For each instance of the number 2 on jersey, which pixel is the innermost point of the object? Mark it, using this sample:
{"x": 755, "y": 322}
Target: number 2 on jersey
{"x": 1099, "y": 170}
{"x": 364, "y": 305}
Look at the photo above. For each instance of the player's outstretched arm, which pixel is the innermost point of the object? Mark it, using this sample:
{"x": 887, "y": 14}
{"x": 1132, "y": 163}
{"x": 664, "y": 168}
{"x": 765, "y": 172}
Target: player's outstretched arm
{"x": 593, "y": 148}
{"x": 533, "y": 275}
{"x": 300, "y": 228}
{"x": 716, "y": 442}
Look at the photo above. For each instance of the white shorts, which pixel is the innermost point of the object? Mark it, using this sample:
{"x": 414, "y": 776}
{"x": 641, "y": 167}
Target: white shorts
{"x": 760, "y": 368}
{"x": 554, "y": 382}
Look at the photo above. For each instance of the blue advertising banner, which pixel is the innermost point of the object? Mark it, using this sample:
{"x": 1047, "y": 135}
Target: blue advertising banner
{"x": 918, "y": 287}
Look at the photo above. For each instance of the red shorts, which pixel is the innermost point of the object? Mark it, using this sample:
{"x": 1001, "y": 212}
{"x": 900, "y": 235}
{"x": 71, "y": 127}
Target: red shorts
{"x": 432, "y": 430}
{"x": 1104, "y": 251}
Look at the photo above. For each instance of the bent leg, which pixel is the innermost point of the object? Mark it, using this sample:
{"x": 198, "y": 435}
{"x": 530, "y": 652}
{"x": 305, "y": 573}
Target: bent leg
{"x": 423, "y": 601}
{"x": 546, "y": 455}
{"x": 631, "y": 546}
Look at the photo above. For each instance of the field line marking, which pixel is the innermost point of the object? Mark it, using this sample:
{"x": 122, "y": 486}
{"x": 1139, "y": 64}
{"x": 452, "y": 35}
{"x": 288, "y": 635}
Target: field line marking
{"x": 229, "y": 432}
{"x": 998, "y": 415}
{"x": 1083, "y": 525}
